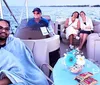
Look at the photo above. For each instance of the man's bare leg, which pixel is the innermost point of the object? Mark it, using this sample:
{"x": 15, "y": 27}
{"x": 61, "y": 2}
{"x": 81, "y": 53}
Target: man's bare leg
{"x": 5, "y": 81}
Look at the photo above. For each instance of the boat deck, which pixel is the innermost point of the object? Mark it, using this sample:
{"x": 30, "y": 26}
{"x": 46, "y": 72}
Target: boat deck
{"x": 64, "y": 46}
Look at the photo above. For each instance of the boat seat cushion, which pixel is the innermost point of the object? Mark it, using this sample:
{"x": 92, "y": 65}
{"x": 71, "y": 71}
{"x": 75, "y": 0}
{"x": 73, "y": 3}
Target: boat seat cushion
{"x": 94, "y": 51}
{"x": 63, "y": 35}
{"x": 46, "y": 17}
{"x": 97, "y": 28}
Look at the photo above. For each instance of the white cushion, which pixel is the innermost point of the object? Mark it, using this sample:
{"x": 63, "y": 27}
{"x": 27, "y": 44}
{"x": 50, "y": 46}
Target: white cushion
{"x": 93, "y": 47}
{"x": 97, "y": 28}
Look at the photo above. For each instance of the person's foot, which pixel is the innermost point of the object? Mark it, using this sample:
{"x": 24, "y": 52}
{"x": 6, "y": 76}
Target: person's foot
{"x": 77, "y": 37}
{"x": 71, "y": 46}
{"x": 79, "y": 48}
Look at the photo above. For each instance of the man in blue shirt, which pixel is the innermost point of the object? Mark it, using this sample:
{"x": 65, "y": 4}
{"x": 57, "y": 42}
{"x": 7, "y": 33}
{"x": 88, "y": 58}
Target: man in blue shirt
{"x": 38, "y": 21}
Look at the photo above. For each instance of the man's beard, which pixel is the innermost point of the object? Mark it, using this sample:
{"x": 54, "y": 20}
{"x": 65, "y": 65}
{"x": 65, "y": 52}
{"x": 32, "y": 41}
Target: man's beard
{"x": 3, "y": 36}
{"x": 2, "y": 45}
{"x": 3, "y": 39}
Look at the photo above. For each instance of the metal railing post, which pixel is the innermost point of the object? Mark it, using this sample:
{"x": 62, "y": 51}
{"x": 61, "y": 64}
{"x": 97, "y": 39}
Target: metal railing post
{"x": 26, "y": 5}
{"x": 1, "y": 13}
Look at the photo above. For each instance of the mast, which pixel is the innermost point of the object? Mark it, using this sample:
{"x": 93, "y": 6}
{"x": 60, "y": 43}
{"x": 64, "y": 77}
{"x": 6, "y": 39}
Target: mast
{"x": 1, "y": 13}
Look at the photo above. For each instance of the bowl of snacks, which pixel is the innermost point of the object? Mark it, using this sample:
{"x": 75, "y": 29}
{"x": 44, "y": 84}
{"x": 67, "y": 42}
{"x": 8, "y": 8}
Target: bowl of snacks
{"x": 74, "y": 61}
{"x": 76, "y": 68}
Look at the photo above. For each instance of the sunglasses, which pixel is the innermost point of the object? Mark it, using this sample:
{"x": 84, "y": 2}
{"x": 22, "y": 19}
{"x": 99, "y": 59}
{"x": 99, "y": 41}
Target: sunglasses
{"x": 36, "y": 13}
{"x": 4, "y": 28}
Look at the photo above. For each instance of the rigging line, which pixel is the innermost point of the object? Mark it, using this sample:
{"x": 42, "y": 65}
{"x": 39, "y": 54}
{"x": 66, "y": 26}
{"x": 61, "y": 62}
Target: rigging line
{"x": 10, "y": 11}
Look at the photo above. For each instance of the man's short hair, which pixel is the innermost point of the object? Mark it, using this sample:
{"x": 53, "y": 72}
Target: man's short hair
{"x": 6, "y": 21}
{"x": 37, "y": 9}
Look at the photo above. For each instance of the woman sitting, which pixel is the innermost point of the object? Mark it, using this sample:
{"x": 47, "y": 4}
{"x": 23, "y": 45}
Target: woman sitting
{"x": 72, "y": 25}
{"x": 86, "y": 28}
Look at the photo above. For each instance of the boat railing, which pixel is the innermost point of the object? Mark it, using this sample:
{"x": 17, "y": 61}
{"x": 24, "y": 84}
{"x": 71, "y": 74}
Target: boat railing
{"x": 16, "y": 20}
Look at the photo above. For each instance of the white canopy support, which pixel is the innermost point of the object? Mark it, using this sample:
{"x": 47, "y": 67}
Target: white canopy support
{"x": 1, "y": 13}
{"x": 26, "y": 10}
{"x": 26, "y": 4}
{"x": 22, "y": 11}
{"x": 21, "y": 15}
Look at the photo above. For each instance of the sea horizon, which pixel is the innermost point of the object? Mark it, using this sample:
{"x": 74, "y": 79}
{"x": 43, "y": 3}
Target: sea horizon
{"x": 54, "y": 12}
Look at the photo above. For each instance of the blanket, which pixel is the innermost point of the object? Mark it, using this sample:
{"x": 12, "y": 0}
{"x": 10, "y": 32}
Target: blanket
{"x": 11, "y": 67}
{"x": 33, "y": 75}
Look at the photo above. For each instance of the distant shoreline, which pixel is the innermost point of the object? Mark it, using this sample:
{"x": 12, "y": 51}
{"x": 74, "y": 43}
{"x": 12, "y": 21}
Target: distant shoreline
{"x": 72, "y": 6}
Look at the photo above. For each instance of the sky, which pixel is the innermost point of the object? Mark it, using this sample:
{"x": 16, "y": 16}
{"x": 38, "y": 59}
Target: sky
{"x": 52, "y": 2}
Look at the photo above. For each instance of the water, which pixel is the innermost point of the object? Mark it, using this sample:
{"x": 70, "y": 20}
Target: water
{"x": 54, "y": 12}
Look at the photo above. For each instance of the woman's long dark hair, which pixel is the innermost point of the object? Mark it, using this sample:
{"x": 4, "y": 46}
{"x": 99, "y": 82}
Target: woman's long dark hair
{"x": 75, "y": 12}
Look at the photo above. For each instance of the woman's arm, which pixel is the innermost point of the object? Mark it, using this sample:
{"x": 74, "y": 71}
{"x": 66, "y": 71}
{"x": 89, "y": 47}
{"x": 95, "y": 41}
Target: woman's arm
{"x": 66, "y": 23}
{"x": 78, "y": 24}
